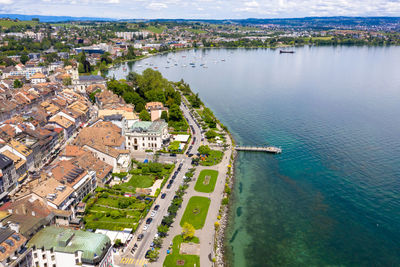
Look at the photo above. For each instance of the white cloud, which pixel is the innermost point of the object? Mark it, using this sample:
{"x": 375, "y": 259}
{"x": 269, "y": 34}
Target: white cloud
{"x": 156, "y": 6}
{"x": 202, "y": 8}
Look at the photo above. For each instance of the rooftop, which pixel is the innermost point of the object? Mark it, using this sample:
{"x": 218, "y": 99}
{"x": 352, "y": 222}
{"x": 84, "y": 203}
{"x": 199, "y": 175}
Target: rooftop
{"x": 148, "y": 126}
{"x": 93, "y": 246}
{"x": 54, "y": 191}
{"x": 5, "y": 161}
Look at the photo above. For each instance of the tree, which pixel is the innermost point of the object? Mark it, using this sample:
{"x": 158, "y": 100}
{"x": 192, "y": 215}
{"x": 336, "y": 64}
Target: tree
{"x": 24, "y": 58}
{"x": 153, "y": 255}
{"x": 67, "y": 81}
{"x": 188, "y": 231}
{"x": 175, "y": 113}
{"x": 211, "y": 134}
{"x": 118, "y": 243}
{"x": 163, "y": 230}
{"x": 174, "y": 146}
{"x": 17, "y": 83}
{"x": 164, "y": 116}
{"x": 158, "y": 242}
{"x": 204, "y": 150}
{"x": 144, "y": 115}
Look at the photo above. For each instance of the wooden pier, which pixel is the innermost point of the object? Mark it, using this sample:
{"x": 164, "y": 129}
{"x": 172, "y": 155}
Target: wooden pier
{"x": 268, "y": 149}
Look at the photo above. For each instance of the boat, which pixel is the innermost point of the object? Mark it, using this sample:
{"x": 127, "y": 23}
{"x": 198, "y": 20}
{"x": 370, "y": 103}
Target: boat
{"x": 286, "y": 52}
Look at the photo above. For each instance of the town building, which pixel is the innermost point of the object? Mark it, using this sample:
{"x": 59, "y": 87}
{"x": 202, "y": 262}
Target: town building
{"x": 55, "y": 246}
{"x": 8, "y": 176}
{"x": 155, "y": 109}
{"x": 146, "y": 135}
{"x": 13, "y": 252}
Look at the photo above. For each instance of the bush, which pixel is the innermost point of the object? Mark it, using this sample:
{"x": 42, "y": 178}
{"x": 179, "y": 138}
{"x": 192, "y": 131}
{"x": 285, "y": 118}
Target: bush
{"x": 115, "y": 214}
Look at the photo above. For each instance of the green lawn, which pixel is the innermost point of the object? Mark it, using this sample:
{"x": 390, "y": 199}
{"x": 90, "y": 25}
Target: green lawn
{"x": 196, "y": 211}
{"x": 206, "y": 185}
{"x": 8, "y": 24}
{"x": 157, "y": 30}
{"x": 190, "y": 260}
{"x": 214, "y": 158}
{"x": 137, "y": 181}
{"x": 197, "y": 31}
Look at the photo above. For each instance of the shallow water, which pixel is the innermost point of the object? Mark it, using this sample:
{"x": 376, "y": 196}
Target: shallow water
{"x": 332, "y": 197}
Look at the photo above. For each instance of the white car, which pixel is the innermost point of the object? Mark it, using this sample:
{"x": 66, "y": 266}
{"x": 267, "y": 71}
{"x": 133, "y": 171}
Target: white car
{"x": 145, "y": 227}
{"x": 153, "y": 213}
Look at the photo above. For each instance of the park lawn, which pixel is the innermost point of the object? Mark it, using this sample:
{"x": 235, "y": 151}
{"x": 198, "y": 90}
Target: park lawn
{"x": 190, "y": 260}
{"x": 196, "y": 211}
{"x": 206, "y": 187}
{"x": 214, "y": 158}
{"x": 137, "y": 181}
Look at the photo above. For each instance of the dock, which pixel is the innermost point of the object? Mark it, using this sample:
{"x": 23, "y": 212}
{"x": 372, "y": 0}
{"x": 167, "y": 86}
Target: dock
{"x": 268, "y": 149}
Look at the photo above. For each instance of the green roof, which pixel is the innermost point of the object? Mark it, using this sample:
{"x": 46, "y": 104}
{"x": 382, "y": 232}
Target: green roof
{"x": 148, "y": 126}
{"x": 64, "y": 240}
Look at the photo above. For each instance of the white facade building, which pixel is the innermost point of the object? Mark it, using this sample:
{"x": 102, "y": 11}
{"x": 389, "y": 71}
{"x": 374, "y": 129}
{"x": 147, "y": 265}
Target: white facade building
{"x": 146, "y": 135}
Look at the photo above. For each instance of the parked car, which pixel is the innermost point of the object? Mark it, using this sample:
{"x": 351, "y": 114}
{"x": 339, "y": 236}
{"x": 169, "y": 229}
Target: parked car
{"x": 168, "y": 186}
{"x": 149, "y": 220}
{"x": 145, "y": 227}
{"x": 153, "y": 213}
{"x": 163, "y": 195}
{"x": 140, "y": 237}
{"x": 156, "y": 207}
{"x": 172, "y": 155}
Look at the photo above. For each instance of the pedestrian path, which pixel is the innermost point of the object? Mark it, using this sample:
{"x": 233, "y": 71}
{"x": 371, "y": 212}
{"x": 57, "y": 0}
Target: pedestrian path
{"x": 128, "y": 261}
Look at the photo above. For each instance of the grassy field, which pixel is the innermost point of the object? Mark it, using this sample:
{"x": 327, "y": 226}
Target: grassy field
{"x": 157, "y": 30}
{"x": 7, "y": 23}
{"x": 114, "y": 212}
{"x": 196, "y": 211}
{"x": 206, "y": 185}
{"x": 137, "y": 181}
{"x": 214, "y": 158}
{"x": 190, "y": 260}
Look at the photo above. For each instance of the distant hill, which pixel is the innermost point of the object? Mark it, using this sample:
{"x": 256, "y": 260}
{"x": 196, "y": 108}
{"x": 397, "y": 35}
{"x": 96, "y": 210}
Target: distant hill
{"x": 53, "y": 18}
{"x": 306, "y": 22}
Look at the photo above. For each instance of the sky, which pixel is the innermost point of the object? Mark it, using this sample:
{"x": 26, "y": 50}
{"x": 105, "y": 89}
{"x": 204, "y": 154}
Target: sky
{"x": 201, "y": 9}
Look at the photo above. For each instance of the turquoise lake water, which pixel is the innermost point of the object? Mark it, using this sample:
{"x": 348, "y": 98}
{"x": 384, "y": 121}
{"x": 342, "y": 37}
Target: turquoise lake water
{"x": 332, "y": 198}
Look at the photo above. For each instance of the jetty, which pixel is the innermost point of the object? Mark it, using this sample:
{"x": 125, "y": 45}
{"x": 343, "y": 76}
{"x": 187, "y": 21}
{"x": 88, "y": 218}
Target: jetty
{"x": 268, "y": 149}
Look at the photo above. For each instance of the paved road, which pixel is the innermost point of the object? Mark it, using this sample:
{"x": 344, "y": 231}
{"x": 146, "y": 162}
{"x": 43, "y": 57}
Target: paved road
{"x": 207, "y": 233}
{"x": 138, "y": 257}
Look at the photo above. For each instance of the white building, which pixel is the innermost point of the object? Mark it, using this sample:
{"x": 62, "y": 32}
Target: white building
{"x": 54, "y": 246}
{"x": 146, "y": 135}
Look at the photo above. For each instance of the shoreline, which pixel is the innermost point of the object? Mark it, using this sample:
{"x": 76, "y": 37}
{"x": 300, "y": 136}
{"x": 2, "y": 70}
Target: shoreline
{"x": 218, "y": 247}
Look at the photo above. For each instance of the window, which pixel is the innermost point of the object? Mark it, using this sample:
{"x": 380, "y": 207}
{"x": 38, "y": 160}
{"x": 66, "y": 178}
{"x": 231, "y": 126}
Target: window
{"x": 45, "y": 265}
{"x": 76, "y": 261}
{"x": 54, "y": 265}
{"x": 35, "y": 255}
{"x": 44, "y": 256}
{"x": 53, "y": 257}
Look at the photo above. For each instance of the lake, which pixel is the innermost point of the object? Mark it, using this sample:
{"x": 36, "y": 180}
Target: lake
{"x": 333, "y": 196}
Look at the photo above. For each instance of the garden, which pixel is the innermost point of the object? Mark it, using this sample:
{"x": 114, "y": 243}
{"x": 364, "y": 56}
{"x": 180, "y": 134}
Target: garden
{"x": 109, "y": 209}
{"x": 196, "y": 211}
{"x": 206, "y": 181}
{"x": 209, "y": 157}
{"x": 144, "y": 176}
